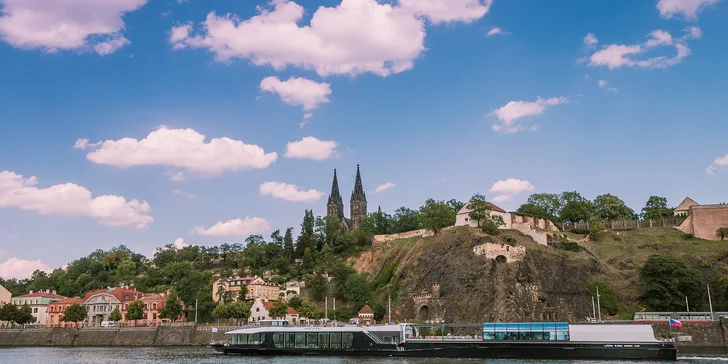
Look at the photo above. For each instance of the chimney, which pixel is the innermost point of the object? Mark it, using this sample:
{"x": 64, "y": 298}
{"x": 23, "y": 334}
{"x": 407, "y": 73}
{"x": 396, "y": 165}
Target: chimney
{"x": 31, "y": 292}
{"x": 54, "y": 291}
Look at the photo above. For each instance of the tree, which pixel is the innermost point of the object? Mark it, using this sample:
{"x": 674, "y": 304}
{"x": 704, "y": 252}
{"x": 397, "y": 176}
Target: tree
{"x": 126, "y": 270}
{"x": 356, "y": 291}
{"x": 610, "y": 207}
{"x": 243, "y": 293}
{"x": 666, "y": 281}
{"x": 317, "y": 287}
{"x": 577, "y": 211}
{"x": 24, "y": 315}
{"x": 276, "y": 238}
{"x": 279, "y": 310}
{"x": 307, "y": 238}
{"x": 479, "y": 209}
{"x": 455, "y": 205}
{"x": 172, "y": 307}
{"x": 288, "y": 245}
{"x": 115, "y": 315}
{"x": 309, "y": 310}
{"x": 543, "y": 206}
{"x": 656, "y": 209}
{"x": 405, "y": 219}
{"x": 722, "y": 233}
{"x": 255, "y": 239}
{"x": 8, "y": 312}
{"x": 436, "y": 215}
{"x": 135, "y": 311}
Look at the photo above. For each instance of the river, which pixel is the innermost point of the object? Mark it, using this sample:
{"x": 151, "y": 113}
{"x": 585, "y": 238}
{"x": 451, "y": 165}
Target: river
{"x": 187, "y": 355}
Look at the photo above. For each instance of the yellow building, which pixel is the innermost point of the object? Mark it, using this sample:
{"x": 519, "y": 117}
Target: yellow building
{"x": 256, "y": 288}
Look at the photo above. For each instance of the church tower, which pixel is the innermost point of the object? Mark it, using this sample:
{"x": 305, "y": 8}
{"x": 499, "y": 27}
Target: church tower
{"x": 358, "y": 203}
{"x": 335, "y": 206}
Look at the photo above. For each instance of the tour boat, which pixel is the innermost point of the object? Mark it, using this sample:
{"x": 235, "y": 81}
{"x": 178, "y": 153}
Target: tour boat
{"x": 535, "y": 340}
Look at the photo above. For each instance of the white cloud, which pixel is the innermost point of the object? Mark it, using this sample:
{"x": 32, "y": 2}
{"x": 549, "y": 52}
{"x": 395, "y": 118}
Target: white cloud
{"x": 515, "y": 110}
{"x": 188, "y": 195}
{"x": 603, "y": 84}
{"x": 53, "y": 25}
{"x": 235, "y": 227}
{"x": 717, "y": 164}
{"x": 505, "y": 190}
{"x": 590, "y": 40}
{"x": 687, "y": 8}
{"x": 71, "y": 200}
{"x": 306, "y": 119}
{"x": 289, "y": 192}
{"x": 446, "y": 11}
{"x": 496, "y": 31}
{"x": 180, "y": 243}
{"x": 355, "y": 37}
{"x": 311, "y": 148}
{"x": 384, "y": 187}
{"x": 21, "y": 268}
{"x": 618, "y": 55}
{"x": 181, "y": 148}
{"x": 178, "y": 34}
{"x": 298, "y": 91}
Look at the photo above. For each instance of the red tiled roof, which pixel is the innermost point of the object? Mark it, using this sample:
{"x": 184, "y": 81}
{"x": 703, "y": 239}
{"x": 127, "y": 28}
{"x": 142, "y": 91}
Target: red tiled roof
{"x": 366, "y": 310}
{"x": 41, "y": 295}
{"x": 69, "y": 301}
{"x": 268, "y": 305}
{"x": 291, "y": 311}
{"x": 496, "y": 208}
{"x": 118, "y": 292}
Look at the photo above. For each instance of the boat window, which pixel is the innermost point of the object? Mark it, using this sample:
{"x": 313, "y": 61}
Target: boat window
{"x": 300, "y": 340}
{"x": 289, "y": 340}
{"x": 525, "y": 331}
{"x": 253, "y": 339}
{"x": 312, "y": 340}
{"x": 278, "y": 340}
{"x": 336, "y": 340}
{"x": 323, "y": 340}
{"x": 346, "y": 340}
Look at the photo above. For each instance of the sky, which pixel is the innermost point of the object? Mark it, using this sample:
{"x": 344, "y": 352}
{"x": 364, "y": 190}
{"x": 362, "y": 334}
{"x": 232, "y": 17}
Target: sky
{"x": 151, "y": 122}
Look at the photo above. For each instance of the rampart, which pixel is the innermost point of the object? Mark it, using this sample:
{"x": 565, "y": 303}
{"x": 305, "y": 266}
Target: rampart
{"x": 379, "y": 239}
{"x": 704, "y": 220}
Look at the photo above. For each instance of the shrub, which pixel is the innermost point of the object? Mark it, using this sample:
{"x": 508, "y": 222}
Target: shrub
{"x": 580, "y": 231}
{"x": 571, "y": 246}
{"x": 607, "y": 299}
{"x": 490, "y": 227}
{"x": 688, "y": 236}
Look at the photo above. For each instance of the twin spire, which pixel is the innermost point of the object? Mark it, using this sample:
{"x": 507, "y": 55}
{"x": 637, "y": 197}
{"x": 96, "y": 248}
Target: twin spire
{"x": 356, "y": 195}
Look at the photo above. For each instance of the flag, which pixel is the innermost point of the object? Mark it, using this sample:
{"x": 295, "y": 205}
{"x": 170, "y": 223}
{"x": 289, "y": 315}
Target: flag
{"x": 675, "y": 323}
{"x": 214, "y": 329}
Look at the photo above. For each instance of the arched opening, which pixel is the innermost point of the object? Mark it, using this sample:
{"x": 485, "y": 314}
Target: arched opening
{"x": 154, "y": 306}
{"x": 423, "y": 314}
{"x": 501, "y": 259}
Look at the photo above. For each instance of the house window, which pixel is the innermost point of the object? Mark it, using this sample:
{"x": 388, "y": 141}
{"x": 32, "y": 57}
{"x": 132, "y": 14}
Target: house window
{"x": 35, "y": 310}
{"x": 154, "y": 306}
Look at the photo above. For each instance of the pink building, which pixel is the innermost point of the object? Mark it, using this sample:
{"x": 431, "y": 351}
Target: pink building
{"x": 57, "y": 309}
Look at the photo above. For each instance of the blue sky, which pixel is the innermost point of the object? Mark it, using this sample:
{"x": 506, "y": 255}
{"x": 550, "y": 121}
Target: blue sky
{"x": 430, "y": 99}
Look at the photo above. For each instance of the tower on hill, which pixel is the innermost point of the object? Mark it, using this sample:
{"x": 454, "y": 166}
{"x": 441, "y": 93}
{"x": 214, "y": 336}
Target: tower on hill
{"x": 357, "y": 204}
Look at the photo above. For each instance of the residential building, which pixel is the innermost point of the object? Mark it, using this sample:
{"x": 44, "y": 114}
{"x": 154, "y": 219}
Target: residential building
{"x": 293, "y": 317}
{"x": 5, "y": 295}
{"x": 153, "y": 303}
{"x": 293, "y": 288}
{"x": 38, "y": 302}
{"x": 57, "y": 309}
{"x": 366, "y": 315}
{"x": 101, "y": 303}
{"x": 256, "y": 286}
{"x": 259, "y": 310}
{"x": 683, "y": 209}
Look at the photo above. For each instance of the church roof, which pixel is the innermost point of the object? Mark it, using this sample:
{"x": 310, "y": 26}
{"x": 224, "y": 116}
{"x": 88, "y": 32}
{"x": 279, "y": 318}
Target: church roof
{"x": 358, "y": 193}
{"x": 335, "y": 196}
{"x": 687, "y": 202}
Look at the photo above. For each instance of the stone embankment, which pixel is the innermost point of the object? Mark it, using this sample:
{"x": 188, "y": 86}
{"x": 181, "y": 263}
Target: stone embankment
{"x": 129, "y": 336}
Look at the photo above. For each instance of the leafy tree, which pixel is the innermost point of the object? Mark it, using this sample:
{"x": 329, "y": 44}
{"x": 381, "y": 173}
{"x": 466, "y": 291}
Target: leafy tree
{"x": 436, "y": 215}
{"x": 455, "y": 206}
{"x": 722, "y": 233}
{"x": 309, "y": 310}
{"x": 577, "y": 211}
{"x": 8, "y": 312}
{"x": 666, "y": 281}
{"x": 23, "y": 315}
{"x": 243, "y": 293}
{"x": 115, "y": 315}
{"x": 479, "y": 208}
{"x": 126, "y": 270}
{"x": 610, "y": 207}
{"x": 405, "y": 219}
{"x": 276, "y": 238}
{"x": 491, "y": 226}
{"x": 529, "y": 209}
{"x": 239, "y": 310}
{"x": 254, "y": 240}
{"x": 295, "y": 302}
{"x": 172, "y": 307}
{"x": 317, "y": 287}
{"x": 656, "y": 209}
{"x": 356, "y": 290}
{"x": 543, "y": 206}
{"x": 135, "y": 311}
{"x": 279, "y": 309}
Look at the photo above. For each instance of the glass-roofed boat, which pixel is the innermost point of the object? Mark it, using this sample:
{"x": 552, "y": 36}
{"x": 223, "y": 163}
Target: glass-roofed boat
{"x": 524, "y": 340}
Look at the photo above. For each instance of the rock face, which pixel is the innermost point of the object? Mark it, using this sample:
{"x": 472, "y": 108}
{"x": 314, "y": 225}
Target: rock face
{"x": 460, "y": 275}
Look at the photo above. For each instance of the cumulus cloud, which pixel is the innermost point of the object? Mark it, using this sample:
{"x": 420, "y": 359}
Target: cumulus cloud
{"x": 21, "y": 268}
{"x": 289, "y": 192}
{"x": 619, "y": 55}
{"x": 687, "y": 8}
{"x": 235, "y": 227}
{"x": 717, "y": 164}
{"x": 306, "y": 119}
{"x": 180, "y": 148}
{"x": 180, "y": 243}
{"x": 515, "y": 110}
{"x": 311, "y": 148}
{"x": 590, "y": 40}
{"x": 53, "y": 25}
{"x": 603, "y": 84}
{"x": 71, "y": 200}
{"x": 448, "y": 11}
{"x": 496, "y": 31}
{"x": 505, "y": 190}
{"x": 355, "y": 37}
{"x": 384, "y": 187}
{"x": 298, "y": 91}
{"x": 188, "y": 195}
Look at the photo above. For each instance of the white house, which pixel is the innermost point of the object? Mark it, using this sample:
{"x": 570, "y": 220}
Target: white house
{"x": 259, "y": 310}
{"x": 463, "y": 216}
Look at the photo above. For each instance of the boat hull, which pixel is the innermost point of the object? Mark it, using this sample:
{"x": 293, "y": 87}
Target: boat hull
{"x": 581, "y": 351}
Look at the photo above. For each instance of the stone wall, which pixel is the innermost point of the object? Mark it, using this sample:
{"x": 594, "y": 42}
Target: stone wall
{"x": 519, "y": 222}
{"x": 379, "y": 239}
{"x": 706, "y": 219}
{"x": 492, "y": 251}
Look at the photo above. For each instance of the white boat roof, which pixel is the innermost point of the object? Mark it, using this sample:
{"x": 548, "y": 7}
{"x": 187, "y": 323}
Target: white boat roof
{"x": 634, "y": 333}
{"x": 352, "y": 328}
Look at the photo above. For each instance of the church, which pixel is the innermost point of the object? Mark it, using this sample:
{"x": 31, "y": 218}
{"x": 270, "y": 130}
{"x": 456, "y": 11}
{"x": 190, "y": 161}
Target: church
{"x": 357, "y": 204}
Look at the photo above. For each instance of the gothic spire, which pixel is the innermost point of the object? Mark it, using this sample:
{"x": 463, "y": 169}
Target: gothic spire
{"x": 335, "y": 196}
{"x": 358, "y": 193}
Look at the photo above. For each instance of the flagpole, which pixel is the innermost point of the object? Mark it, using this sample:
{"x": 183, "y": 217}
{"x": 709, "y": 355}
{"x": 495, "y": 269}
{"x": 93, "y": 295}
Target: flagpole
{"x": 686, "y": 304}
{"x": 594, "y": 309}
{"x": 599, "y": 306}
